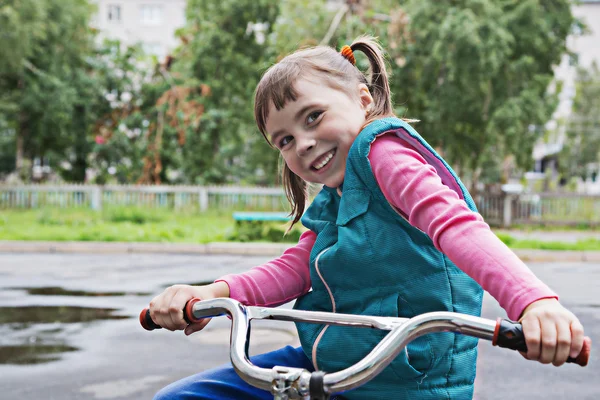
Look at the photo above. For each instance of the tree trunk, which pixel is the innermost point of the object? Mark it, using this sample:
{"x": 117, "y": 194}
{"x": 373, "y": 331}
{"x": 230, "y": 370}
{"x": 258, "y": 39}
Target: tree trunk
{"x": 20, "y": 139}
{"x": 81, "y": 148}
{"x": 19, "y": 156}
{"x": 21, "y": 166}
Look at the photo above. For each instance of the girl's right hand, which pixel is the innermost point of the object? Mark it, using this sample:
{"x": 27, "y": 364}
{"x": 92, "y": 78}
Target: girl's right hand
{"x": 166, "y": 309}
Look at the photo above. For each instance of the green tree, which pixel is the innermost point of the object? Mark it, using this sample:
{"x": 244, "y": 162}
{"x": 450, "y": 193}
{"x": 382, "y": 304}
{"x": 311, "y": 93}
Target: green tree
{"x": 225, "y": 52}
{"x": 123, "y": 113}
{"x": 44, "y": 80}
{"x": 476, "y": 73}
{"x": 195, "y": 114}
{"x": 582, "y": 144}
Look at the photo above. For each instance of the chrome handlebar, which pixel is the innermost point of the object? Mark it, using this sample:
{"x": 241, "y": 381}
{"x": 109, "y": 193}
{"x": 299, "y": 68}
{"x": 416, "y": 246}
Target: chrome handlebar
{"x": 296, "y": 383}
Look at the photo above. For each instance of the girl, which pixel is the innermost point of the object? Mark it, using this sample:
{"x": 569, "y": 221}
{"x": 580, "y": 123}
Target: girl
{"x": 393, "y": 232}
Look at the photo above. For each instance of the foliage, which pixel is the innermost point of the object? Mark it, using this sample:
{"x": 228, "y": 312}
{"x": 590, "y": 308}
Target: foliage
{"x": 582, "y": 145}
{"x": 43, "y": 73}
{"x": 121, "y": 132}
{"x": 87, "y": 225}
{"x": 224, "y": 52}
{"x": 192, "y": 119}
{"x": 250, "y": 231}
{"x": 133, "y": 225}
{"x": 580, "y": 245}
{"x": 476, "y": 73}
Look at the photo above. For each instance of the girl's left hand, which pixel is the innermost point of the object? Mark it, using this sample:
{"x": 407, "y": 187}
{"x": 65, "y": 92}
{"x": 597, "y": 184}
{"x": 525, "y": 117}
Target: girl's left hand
{"x": 552, "y": 332}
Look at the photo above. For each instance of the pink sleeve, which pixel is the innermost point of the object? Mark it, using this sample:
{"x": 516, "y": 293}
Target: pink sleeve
{"x": 275, "y": 282}
{"x": 414, "y": 189}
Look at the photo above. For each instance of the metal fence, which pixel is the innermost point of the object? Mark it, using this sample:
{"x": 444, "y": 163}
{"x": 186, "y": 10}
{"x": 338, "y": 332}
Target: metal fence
{"x": 497, "y": 209}
{"x": 192, "y": 198}
{"x": 565, "y": 209}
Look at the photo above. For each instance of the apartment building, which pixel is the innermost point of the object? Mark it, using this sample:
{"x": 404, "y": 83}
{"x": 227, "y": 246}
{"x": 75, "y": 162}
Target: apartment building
{"x": 587, "y": 48}
{"x": 150, "y": 22}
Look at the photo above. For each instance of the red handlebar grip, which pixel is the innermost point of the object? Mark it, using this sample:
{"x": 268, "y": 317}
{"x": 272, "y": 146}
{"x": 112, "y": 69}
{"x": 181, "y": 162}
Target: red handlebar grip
{"x": 584, "y": 356}
{"x": 188, "y": 311}
{"x": 146, "y": 320}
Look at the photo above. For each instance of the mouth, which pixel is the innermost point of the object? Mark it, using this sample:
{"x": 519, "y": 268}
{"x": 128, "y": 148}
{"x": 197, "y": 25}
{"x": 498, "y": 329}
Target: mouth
{"x": 321, "y": 163}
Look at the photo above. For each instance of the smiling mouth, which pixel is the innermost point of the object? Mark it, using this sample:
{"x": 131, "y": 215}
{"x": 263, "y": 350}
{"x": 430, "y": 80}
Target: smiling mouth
{"x": 323, "y": 161}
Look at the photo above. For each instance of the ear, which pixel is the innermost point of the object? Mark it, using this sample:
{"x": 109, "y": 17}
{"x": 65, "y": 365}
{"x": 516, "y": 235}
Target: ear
{"x": 364, "y": 96}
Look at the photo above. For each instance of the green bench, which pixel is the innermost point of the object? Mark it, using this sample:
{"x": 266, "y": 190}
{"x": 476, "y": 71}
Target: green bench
{"x": 261, "y": 216}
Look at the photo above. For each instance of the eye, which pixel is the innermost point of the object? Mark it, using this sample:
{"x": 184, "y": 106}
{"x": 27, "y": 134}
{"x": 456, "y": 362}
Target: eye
{"x": 284, "y": 141}
{"x": 313, "y": 116}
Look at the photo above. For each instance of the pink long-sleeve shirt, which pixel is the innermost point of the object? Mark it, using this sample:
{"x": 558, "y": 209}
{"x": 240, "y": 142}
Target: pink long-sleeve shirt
{"x": 416, "y": 191}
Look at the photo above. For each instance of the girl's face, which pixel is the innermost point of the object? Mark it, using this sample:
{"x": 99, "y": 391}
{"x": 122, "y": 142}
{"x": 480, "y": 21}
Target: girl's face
{"x": 315, "y": 132}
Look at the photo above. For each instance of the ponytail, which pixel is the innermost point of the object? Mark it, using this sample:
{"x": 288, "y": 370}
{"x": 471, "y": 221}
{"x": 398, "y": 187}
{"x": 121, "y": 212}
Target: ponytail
{"x": 296, "y": 191}
{"x": 378, "y": 83}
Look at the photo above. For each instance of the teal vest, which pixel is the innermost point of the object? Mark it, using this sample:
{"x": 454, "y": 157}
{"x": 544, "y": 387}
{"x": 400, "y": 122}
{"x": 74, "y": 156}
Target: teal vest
{"x": 367, "y": 259}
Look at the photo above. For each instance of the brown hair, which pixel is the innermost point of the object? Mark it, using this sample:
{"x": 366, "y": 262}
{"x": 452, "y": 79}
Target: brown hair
{"x": 324, "y": 62}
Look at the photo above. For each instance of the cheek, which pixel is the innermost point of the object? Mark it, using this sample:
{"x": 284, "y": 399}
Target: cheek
{"x": 291, "y": 162}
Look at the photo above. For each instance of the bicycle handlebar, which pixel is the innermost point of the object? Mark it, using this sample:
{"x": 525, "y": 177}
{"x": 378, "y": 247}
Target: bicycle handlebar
{"x": 301, "y": 383}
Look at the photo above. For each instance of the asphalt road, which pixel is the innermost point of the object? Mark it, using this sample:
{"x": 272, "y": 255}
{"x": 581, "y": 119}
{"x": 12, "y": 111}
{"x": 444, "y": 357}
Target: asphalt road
{"x": 52, "y": 348}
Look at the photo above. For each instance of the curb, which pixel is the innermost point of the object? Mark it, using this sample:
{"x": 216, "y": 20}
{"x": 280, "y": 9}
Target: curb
{"x": 257, "y": 249}
{"x": 557, "y": 255}
{"x": 232, "y": 248}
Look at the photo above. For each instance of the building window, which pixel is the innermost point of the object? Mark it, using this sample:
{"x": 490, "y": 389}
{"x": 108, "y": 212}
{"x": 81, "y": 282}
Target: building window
{"x": 151, "y": 14}
{"x": 114, "y": 13}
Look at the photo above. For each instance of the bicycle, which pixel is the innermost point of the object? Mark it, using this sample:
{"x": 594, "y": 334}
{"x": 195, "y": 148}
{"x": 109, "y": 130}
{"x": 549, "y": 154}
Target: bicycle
{"x": 295, "y": 383}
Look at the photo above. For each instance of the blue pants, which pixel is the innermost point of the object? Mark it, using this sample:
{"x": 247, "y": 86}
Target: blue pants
{"x": 223, "y": 383}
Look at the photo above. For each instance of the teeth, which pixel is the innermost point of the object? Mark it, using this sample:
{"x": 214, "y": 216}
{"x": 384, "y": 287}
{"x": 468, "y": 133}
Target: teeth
{"x": 325, "y": 161}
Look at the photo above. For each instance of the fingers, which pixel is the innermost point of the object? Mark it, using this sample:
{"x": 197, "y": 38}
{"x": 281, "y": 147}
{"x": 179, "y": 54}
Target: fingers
{"x": 577, "y": 337}
{"x": 533, "y": 333}
{"x": 548, "y": 341}
{"x": 166, "y": 309}
{"x": 552, "y": 334}
{"x": 563, "y": 344}
{"x": 191, "y": 328}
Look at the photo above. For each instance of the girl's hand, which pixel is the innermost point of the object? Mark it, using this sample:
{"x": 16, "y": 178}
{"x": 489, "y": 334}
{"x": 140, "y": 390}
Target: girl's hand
{"x": 552, "y": 332}
{"x": 166, "y": 309}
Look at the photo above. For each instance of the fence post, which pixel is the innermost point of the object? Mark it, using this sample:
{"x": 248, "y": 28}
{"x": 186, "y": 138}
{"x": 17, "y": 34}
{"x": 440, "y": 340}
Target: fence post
{"x": 96, "y": 198}
{"x": 203, "y": 199}
{"x": 507, "y": 213}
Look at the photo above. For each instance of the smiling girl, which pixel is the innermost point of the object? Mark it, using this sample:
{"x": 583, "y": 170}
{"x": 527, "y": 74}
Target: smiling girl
{"x": 393, "y": 232}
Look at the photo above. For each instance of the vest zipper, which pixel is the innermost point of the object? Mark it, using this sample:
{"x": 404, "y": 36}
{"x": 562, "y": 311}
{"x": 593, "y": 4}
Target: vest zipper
{"x": 316, "y": 343}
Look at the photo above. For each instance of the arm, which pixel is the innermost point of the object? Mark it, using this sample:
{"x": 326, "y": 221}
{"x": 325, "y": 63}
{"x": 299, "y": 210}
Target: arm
{"x": 416, "y": 191}
{"x": 272, "y": 284}
{"x": 275, "y": 282}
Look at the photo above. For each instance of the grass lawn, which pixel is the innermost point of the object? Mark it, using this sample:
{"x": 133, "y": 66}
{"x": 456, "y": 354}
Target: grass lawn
{"x": 119, "y": 224}
{"x": 115, "y": 225}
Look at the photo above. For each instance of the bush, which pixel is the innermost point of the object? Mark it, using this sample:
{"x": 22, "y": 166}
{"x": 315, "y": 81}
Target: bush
{"x": 248, "y": 231}
{"x": 132, "y": 214}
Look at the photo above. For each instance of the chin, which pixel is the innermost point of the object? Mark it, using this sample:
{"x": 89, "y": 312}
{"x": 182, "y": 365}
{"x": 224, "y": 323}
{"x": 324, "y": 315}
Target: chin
{"x": 334, "y": 183}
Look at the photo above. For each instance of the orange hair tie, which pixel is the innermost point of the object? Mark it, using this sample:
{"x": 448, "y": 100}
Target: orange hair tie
{"x": 348, "y": 54}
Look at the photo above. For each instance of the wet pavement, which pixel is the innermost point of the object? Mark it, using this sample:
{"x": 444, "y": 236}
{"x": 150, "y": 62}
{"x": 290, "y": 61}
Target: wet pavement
{"x": 69, "y": 329}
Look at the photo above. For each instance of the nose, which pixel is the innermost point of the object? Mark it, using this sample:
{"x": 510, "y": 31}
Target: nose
{"x": 304, "y": 145}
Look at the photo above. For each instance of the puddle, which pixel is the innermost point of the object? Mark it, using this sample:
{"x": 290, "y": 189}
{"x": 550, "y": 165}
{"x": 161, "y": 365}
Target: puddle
{"x": 39, "y": 334}
{"x": 33, "y": 354}
{"x": 58, "y": 291}
{"x": 50, "y": 314}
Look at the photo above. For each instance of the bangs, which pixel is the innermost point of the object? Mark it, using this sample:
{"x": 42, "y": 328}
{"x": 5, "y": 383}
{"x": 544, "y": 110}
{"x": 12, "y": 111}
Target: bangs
{"x": 276, "y": 87}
